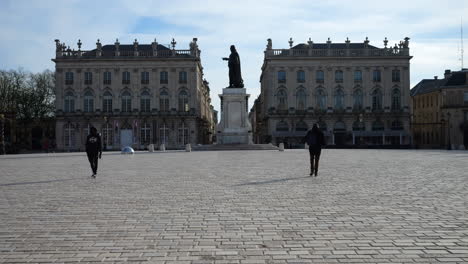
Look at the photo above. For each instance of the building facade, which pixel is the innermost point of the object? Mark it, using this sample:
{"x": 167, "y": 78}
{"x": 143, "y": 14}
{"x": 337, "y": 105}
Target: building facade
{"x": 357, "y": 93}
{"x": 440, "y": 111}
{"x": 135, "y": 95}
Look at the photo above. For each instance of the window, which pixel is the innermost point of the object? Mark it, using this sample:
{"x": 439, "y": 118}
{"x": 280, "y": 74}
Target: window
{"x": 339, "y": 126}
{"x": 145, "y": 102}
{"x": 145, "y": 134}
{"x": 164, "y": 101}
{"x": 164, "y": 77}
{"x": 282, "y": 99}
{"x": 395, "y": 75}
{"x": 107, "y": 135}
{"x": 88, "y": 78}
{"x": 69, "y": 103}
{"x": 321, "y": 100}
{"x": 183, "y": 101}
{"x": 126, "y": 102}
{"x": 319, "y": 77}
{"x": 301, "y": 126}
{"x": 358, "y": 99}
{"x": 377, "y": 125}
{"x": 322, "y": 125}
{"x": 144, "y": 77}
{"x": 88, "y": 102}
{"x": 182, "y": 77}
{"x": 107, "y": 102}
{"x": 376, "y": 100}
{"x": 357, "y": 76}
{"x": 69, "y": 136}
{"x": 339, "y": 99}
{"x": 107, "y": 78}
{"x": 163, "y": 134}
{"x": 125, "y": 77}
{"x": 183, "y": 134}
{"x": 465, "y": 98}
{"x": 396, "y": 99}
{"x": 282, "y": 126}
{"x": 69, "y": 78}
{"x": 376, "y": 76}
{"x": 281, "y": 77}
{"x": 301, "y": 99}
{"x": 339, "y": 76}
{"x": 300, "y": 76}
{"x": 397, "y": 125}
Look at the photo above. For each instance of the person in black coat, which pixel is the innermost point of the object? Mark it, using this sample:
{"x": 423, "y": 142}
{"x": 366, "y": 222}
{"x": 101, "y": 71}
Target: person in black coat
{"x": 315, "y": 139}
{"x": 93, "y": 149}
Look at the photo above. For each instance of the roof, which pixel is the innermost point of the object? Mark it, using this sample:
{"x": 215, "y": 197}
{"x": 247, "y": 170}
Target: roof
{"x": 430, "y": 85}
{"x": 333, "y": 46}
{"x": 457, "y": 78}
{"x": 109, "y": 50}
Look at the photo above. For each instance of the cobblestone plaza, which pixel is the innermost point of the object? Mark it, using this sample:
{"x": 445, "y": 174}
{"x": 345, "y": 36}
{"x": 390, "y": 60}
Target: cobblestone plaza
{"x": 366, "y": 206}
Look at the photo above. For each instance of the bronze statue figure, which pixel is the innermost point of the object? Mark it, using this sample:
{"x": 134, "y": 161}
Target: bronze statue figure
{"x": 235, "y": 78}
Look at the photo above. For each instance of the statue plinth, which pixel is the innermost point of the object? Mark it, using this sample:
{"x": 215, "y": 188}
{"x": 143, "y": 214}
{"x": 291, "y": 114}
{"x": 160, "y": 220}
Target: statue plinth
{"x": 234, "y": 126}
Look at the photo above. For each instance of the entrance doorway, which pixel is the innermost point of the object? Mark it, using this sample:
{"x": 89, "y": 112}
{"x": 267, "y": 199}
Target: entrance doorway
{"x": 126, "y": 138}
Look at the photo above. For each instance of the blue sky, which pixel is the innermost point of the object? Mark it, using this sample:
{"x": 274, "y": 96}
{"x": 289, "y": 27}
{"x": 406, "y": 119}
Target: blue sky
{"x": 28, "y": 30}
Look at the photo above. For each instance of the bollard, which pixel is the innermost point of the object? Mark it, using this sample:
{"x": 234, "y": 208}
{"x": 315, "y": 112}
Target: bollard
{"x": 151, "y": 147}
{"x": 188, "y": 148}
{"x": 281, "y": 147}
{"x": 306, "y": 146}
{"x": 162, "y": 147}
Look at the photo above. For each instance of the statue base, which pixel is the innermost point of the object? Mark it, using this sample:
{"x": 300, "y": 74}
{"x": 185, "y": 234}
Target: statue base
{"x": 234, "y": 126}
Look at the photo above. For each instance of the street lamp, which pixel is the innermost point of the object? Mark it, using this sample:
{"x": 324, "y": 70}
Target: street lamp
{"x": 361, "y": 125}
{"x": 449, "y": 147}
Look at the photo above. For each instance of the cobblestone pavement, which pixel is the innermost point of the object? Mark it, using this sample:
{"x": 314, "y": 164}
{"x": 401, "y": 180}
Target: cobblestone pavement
{"x": 366, "y": 206}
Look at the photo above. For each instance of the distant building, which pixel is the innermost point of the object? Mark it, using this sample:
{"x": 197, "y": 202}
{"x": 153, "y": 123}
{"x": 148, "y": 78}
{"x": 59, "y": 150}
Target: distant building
{"x": 357, "y": 93}
{"x": 135, "y": 95}
{"x": 440, "y": 111}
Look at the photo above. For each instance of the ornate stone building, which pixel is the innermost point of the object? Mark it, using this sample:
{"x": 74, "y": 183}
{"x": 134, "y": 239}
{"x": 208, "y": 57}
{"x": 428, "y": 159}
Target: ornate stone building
{"x": 440, "y": 111}
{"x": 357, "y": 93}
{"x": 133, "y": 94}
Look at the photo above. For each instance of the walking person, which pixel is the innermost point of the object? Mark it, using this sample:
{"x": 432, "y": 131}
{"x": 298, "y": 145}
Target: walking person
{"x": 93, "y": 149}
{"x": 315, "y": 139}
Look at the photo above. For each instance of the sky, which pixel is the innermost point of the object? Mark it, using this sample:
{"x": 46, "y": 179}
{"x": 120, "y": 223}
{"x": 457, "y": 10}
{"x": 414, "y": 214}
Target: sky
{"x": 28, "y": 29}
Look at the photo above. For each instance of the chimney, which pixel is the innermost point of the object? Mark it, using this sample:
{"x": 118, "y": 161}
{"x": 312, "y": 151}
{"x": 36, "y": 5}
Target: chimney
{"x": 435, "y": 77}
{"x": 447, "y": 74}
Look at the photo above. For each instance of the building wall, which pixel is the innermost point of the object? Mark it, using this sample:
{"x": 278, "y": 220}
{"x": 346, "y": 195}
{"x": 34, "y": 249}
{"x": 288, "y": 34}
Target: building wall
{"x": 428, "y": 129}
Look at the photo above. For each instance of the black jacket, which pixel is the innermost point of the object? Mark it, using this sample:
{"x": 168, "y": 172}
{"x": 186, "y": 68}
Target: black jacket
{"x": 314, "y": 139}
{"x": 93, "y": 143}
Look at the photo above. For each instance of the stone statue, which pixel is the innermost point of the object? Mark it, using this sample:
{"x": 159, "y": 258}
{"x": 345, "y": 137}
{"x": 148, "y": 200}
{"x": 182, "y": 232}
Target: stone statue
{"x": 235, "y": 78}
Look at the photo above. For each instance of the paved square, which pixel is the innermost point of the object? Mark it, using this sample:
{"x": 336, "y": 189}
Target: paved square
{"x": 366, "y": 206}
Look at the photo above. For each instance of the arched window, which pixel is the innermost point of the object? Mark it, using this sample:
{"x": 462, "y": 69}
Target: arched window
{"x": 339, "y": 126}
{"x": 107, "y": 102}
{"x": 339, "y": 99}
{"x": 301, "y": 126}
{"x": 396, "y": 99}
{"x": 300, "y": 76}
{"x": 69, "y": 136}
{"x": 145, "y": 102}
{"x": 163, "y": 134}
{"x": 321, "y": 99}
{"x": 107, "y": 135}
{"x": 397, "y": 125}
{"x": 377, "y": 125}
{"x": 282, "y": 126}
{"x": 126, "y": 102}
{"x": 319, "y": 76}
{"x": 164, "y": 101}
{"x": 301, "y": 99}
{"x": 145, "y": 134}
{"x": 183, "y": 101}
{"x": 339, "y": 76}
{"x": 376, "y": 99}
{"x": 88, "y": 102}
{"x": 69, "y": 103}
{"x": 282, "y": 97}
{"x": 183, "y": 134}
{"x": 358, "y": 99}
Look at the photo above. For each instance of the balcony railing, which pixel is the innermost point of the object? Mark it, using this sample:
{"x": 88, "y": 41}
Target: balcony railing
{"x": 365, "y": 52}
{"x": 125, "y": 53}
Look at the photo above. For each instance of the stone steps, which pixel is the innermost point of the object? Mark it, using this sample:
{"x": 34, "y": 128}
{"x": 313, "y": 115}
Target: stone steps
{"x": 220, "y": 147}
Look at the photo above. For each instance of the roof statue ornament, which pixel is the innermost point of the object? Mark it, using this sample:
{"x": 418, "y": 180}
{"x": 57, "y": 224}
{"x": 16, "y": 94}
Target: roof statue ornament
{"x": 117, "y": 44}
{"x": 58, "y": 46}
{"x": 385, "y": 42}
{"x": 135, "y": 44}
{"x": 173, "y": 43}
{"x": 269, "y": 44}
{"x": 406, "y": 43}
{"x": 290, "y": 42}
{"x": 310, "y": 43}
{"x": 329, "y": 43}
{"x": 98, "y": 45}
{"x": 235, "y": 78}
{"x": 79, "y": 44}
{"x": 366, "y": 42}
{"x": 347, "y": 42}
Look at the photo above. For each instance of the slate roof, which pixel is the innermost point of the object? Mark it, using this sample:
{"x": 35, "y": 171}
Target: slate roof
{"x": 430, "y": 85}
{"x": 109, "y": 50}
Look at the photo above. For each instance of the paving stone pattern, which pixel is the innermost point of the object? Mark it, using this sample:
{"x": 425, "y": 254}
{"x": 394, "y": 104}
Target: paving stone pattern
{"x": 366, "y": 206}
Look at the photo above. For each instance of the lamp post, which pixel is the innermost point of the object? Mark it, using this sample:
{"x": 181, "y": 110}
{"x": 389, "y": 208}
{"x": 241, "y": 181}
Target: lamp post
{"x": 361, "y": 125}
{"x": 449, "y": 147}
{"x": 107, "y": 132}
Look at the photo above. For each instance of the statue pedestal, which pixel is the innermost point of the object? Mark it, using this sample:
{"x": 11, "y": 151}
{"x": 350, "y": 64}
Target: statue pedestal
{"x": 234, "y": 126}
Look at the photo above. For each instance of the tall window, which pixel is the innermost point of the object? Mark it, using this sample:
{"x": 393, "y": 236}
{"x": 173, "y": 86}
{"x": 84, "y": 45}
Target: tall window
{"x": 397, "y": 125}
{"x": 69, "y": 103}
{"x": 376, "y": 76}
{"x": 339, "y": 76}
{"x": 126, "y": 102}
{"x": 88, "y": 77}
{"x": 357, "y": 76}
{"x": 164, "y": 101}
{"x": 183, "y": 134}
{"x": 107, "y": 135}
{"x": 107, "y": 102}
{"x": 183, "y": 77}
{"x": 377, "y": 125}
{"x": 69, "y": 135}
{"x": 376, "y": 100}
{"x": 163, "y": 77}
{"x": 145, "y": 134}
{"x": 321, "y": 100}
{"x": 300, "y": 76}
{"x": 282, "y": 99}
{"x": 301, "y": 126}
{"x": 183, "y": 101}
{"x": 163, "y": 134}
{"x": 396, "y": 99}
{"x": 69, "y": 78}
{"x": 144, "y": 77}
{"x": 125, "y": 77}
{"x": 282, "y": 126}
{"x": 88, "y": 102}
{"x": 339, "y": 99}
{"x": 465, "y": 98}
{"x": 107, "y": 78}
{"x": 281, "y": 76}
{"x": 358, "y": 99}
{"x": 301, "y": 99}
{"x": 145, "y": 102}
{"x": 319, "y": 76}
{"x": 395, "y": 75}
